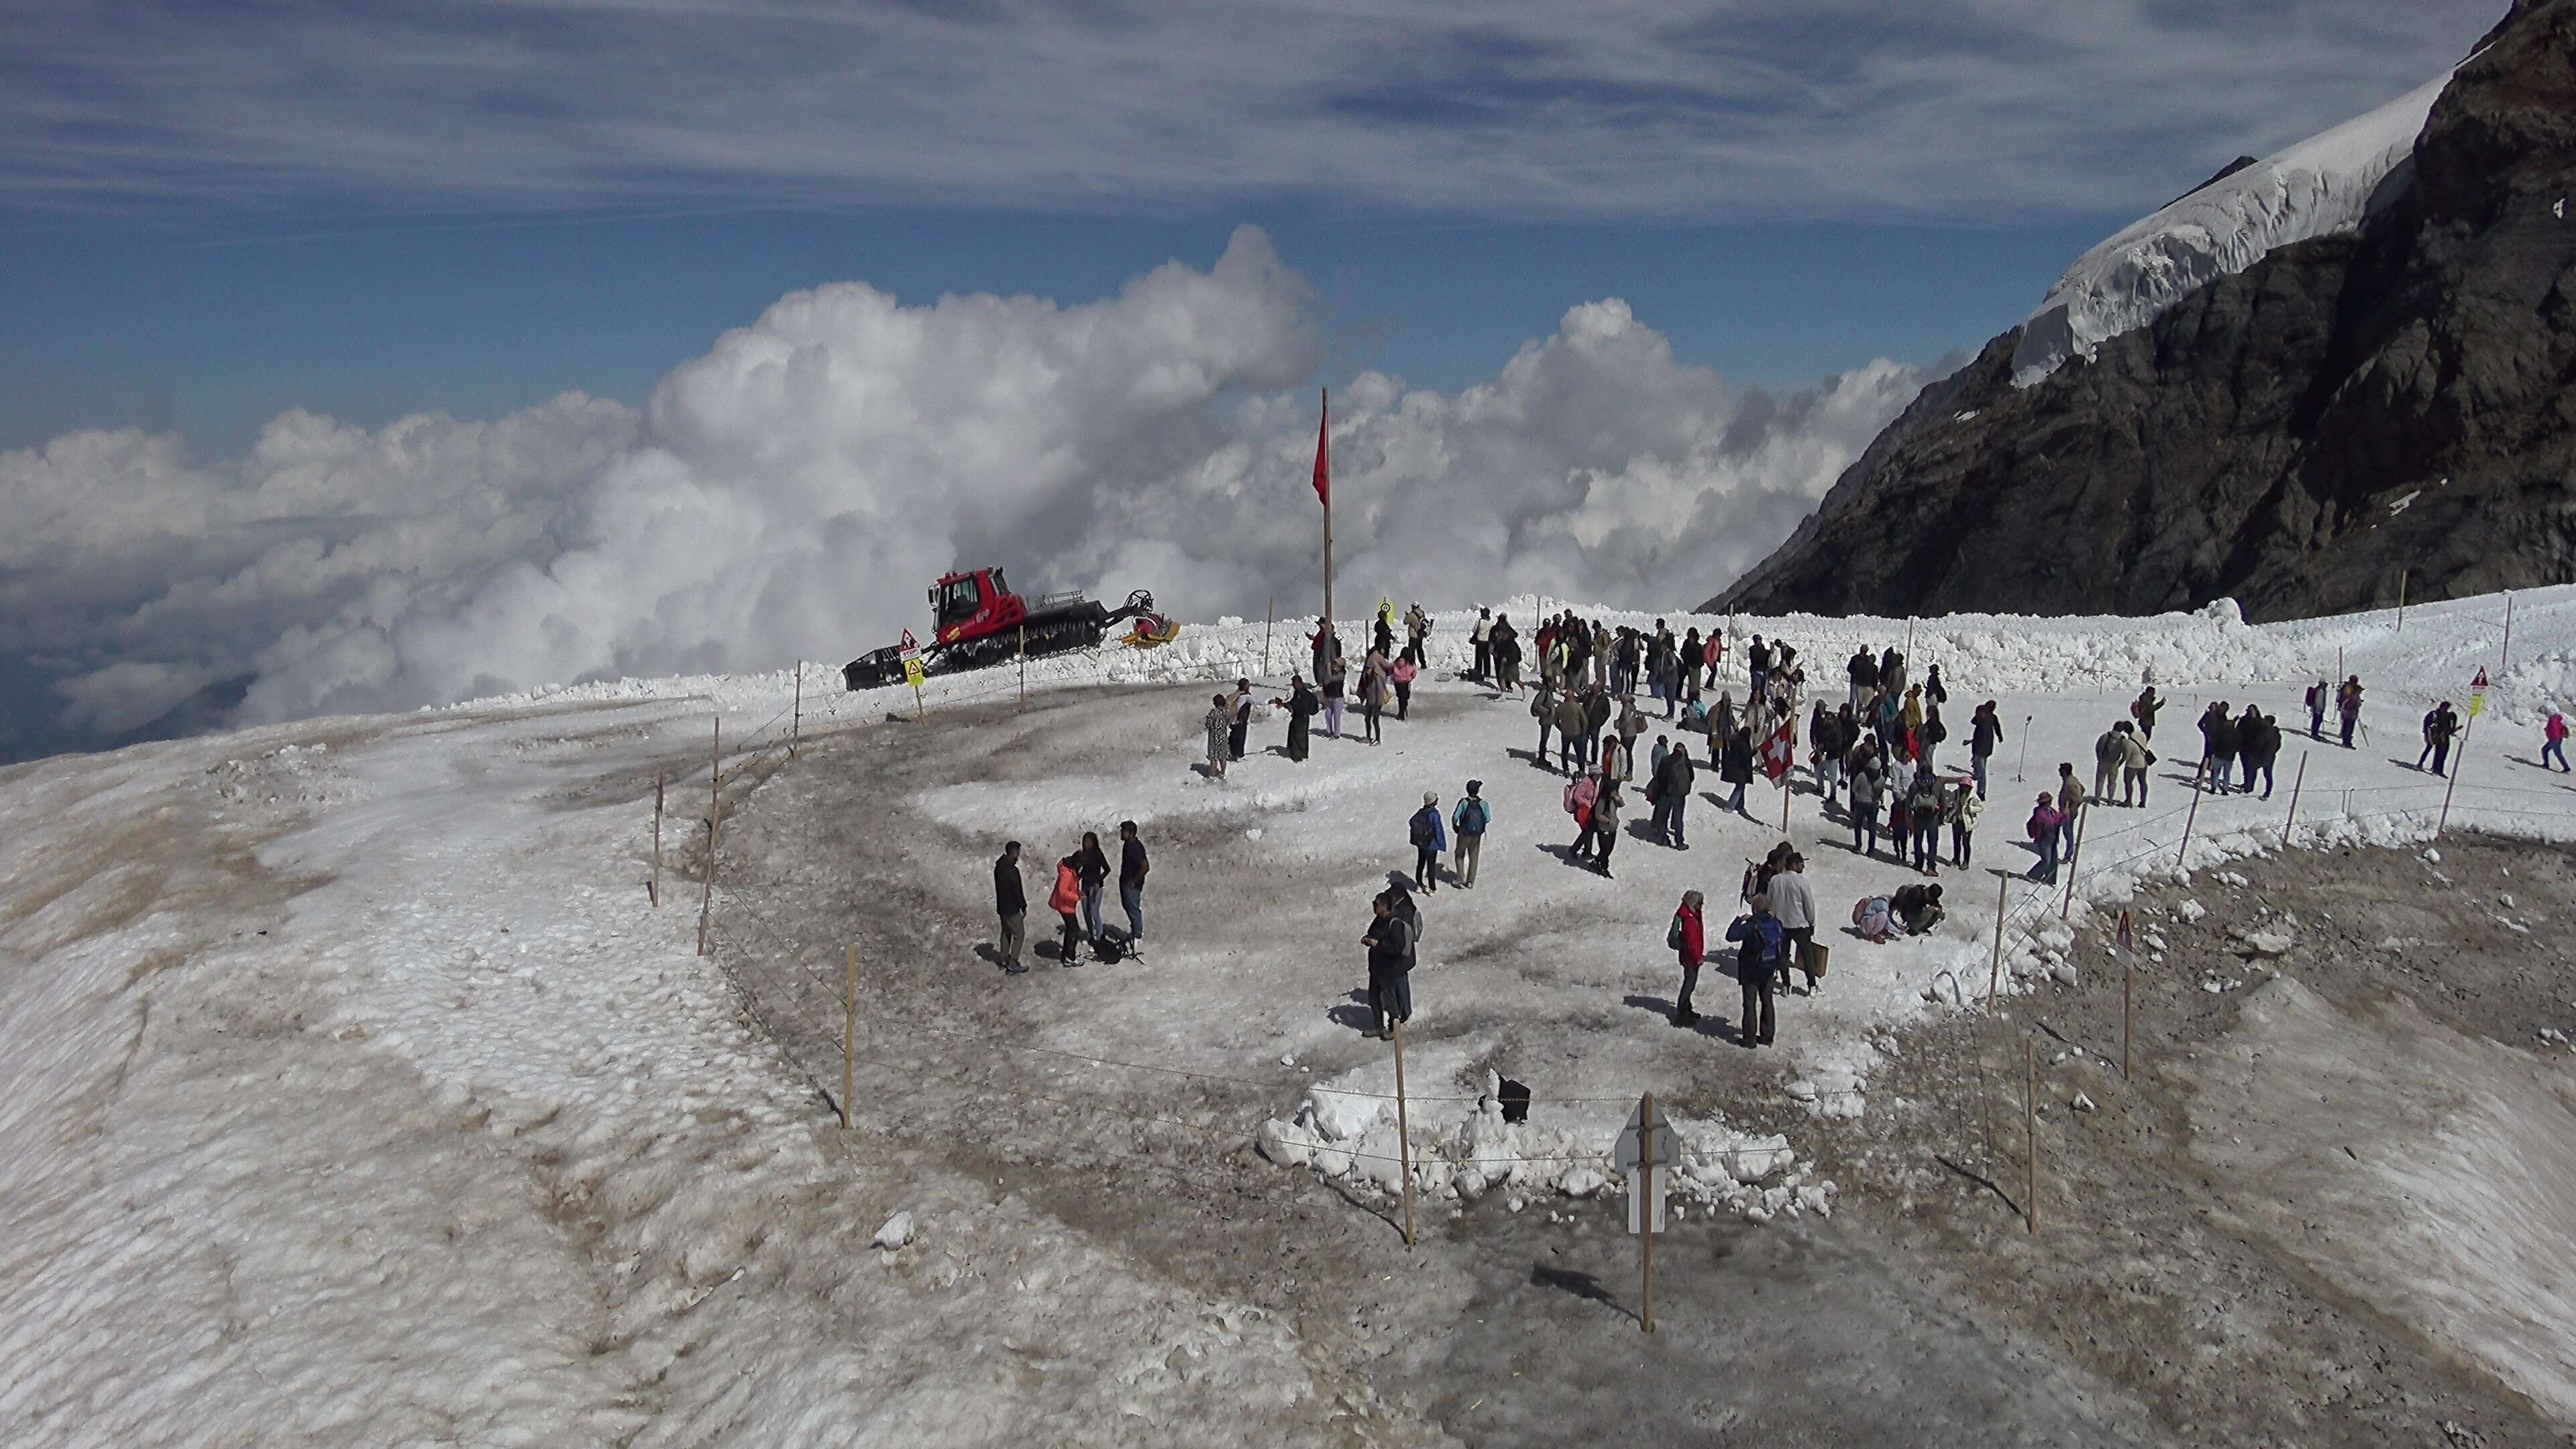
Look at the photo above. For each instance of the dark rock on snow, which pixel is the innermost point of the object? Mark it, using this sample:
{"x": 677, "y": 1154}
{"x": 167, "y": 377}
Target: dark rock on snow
{"x": 2258, "y": 439}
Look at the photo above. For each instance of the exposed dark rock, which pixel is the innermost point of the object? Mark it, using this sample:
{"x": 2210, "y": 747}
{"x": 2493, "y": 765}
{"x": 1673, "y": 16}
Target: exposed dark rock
{"x": 2399, "y": 399}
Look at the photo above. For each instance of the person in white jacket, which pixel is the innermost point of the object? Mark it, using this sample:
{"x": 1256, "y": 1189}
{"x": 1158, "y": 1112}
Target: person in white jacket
{"x": 1793, "y": 904}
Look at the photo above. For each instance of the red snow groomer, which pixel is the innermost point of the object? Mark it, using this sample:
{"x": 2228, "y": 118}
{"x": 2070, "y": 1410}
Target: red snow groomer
{"x": 978, "y": 622}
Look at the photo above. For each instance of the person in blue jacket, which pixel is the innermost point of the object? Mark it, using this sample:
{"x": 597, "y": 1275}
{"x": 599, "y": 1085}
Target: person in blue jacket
{"x": 1757, "y": 962}
{"x": 1430, "y": 837}
{"x": 1471, "y": 819}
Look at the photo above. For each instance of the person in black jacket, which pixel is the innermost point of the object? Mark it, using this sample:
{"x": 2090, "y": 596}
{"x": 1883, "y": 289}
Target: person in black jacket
{"x": 1984, "y": 733}
{"x": 1735, "y": 767}
{"x": 1302, "y": 706}
{"x": 1132, "y": 868}
{"x": 1012, "y": 905}
{"x": 1390, "y": 967}
{"x": 2218, "y": 744}
{"x": 1092, "y": 867}
{"x": 2441, "y": 726}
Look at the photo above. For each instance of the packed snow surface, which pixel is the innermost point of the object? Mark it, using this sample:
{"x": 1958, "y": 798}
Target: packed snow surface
{"x": 2326, "y": 184}
{"x": 354, "y": 1095}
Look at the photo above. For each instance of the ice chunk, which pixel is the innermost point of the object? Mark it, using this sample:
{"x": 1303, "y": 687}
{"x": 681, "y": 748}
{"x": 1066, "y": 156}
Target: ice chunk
{"x": 896, "y": 1232}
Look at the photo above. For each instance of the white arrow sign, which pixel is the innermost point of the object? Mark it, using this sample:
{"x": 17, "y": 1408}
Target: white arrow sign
{"x": 1667, "y": 1144}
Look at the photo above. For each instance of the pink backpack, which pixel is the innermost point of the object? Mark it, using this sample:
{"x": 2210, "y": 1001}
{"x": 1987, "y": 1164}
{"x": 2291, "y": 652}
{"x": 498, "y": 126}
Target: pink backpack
{"x": 1579, "y": 795}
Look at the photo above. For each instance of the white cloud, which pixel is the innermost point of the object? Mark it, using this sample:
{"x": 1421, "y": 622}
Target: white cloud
{"x": 791, "y": 493}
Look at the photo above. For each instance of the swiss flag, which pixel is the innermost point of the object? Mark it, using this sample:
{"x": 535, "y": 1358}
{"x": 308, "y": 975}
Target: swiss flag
{"x": 1781, "y": 750}
{"x": 1324, "y": 455}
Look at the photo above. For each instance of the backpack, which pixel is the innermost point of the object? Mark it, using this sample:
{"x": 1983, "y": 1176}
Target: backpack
{"x": 1472, "y": 816}
{"x": 1578, "y": 798}
{"x": 1109, "y": 948}
{"x": 1422, "y": 826}
{"x": 1673, "y": 933}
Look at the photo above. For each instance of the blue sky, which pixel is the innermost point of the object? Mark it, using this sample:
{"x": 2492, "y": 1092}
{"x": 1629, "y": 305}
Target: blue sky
{"x": 286, "y": 288}
{"x": 209, "y": 330}
{"x": 214, "y": 211}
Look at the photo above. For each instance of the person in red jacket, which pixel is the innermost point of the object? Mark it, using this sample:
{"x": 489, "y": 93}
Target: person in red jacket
{"x": 1689, "y": 937}
{"x": 1066, "y": 901}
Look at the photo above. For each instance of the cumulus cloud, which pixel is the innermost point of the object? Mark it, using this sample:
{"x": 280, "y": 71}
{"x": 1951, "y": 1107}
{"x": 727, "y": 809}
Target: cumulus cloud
{"x": 1723, "y": 109}
{"x": 791, "y": 493}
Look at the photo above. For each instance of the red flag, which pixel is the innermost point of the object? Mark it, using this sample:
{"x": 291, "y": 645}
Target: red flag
{"x": 1780, "y": 752}
{"x": 1324, "y": 455}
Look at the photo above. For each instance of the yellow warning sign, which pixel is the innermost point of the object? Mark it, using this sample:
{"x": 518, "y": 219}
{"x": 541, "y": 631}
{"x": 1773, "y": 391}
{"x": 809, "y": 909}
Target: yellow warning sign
{"x": 2477, "y": 704}
{"x": 912, "y": 673}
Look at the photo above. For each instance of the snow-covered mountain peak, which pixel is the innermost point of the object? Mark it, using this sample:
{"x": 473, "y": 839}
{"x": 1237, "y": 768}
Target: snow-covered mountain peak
{"x": 2323, "y": 185}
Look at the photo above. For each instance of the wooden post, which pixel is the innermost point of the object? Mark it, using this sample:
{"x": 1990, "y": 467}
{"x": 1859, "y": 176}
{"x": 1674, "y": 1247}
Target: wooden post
{"x": 1323, "y": 444}
{"x": 796, "y": 721}
{"x": 2459, "y": 762}
{"x": 849, "y": 1029}
{"x": 1784, "y": 804}
{"x": 1268, "y": 613}
{"x": 2192, "y": 814}
{"x": 2003, "y": 902}
{"x": 2025, "y": 747}
{"x": 1024, "y": 669}
{"x": 1403, "y": 1143}
{"x": 707, "y": 901}
{"x": 1646, "y": 1209}
{"x": 2083, "y": 818}
{"x": 2504, "y": 658}
{"x": 2030, "y": 1132}
{"x": 2296, "y": 781}
{"x": 2128, "y": 1005}
{"x": 1909, "y": 644}
{"x": 2401, "y": 601}
{"x": 656, "y": 891}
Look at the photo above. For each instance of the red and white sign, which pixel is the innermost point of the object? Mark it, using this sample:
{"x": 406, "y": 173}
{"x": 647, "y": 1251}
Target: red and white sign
{"x": 2481, "y": 681}
{"x": 1780, "y": 752}
{"x": 910, "y": 649}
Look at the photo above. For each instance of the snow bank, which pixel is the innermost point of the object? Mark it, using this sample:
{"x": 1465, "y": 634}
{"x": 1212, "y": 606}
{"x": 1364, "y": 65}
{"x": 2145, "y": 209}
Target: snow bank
{"x": 1460, "y": 1153}
{"x": 2326, "y": 184}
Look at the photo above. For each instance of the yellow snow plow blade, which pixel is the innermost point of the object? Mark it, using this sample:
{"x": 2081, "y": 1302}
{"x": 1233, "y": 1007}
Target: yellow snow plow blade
{"x": 1151, "y": 633}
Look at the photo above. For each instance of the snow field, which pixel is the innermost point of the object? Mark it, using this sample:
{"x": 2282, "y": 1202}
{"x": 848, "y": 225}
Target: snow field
{"x": 471, "y": 1146}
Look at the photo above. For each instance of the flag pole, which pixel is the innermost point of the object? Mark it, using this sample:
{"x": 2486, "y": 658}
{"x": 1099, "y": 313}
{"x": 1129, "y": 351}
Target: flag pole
{"x": 1323, "y": 466}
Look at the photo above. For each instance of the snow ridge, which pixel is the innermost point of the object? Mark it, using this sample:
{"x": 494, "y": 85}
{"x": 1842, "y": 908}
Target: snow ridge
{"x": 2324, "y": 185}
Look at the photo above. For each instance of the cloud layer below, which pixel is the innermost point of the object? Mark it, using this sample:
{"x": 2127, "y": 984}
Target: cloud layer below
{"x": 793, "y": 491}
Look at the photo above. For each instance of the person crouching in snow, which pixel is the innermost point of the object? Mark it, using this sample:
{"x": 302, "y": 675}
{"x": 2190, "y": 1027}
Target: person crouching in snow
{"x": 1917, "y": 908}
{"x": 1220, "y": 730}
{"x": 1390, "y": 966}
{"x": 1429, "y": 839}
{"x": 1687, "y": 936}
{"x": 1757, "y": 960}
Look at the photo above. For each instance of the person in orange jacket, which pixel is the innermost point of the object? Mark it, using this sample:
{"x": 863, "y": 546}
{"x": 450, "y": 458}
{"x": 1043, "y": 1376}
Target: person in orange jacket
{"x": 1066, "y": 901}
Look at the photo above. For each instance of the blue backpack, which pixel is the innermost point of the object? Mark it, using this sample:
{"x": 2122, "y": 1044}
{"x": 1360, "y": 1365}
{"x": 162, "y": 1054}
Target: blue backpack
{"x": 1472, "y": 816}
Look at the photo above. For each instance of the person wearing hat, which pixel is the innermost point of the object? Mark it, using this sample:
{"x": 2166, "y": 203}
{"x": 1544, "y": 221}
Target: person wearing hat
{"x": 1429, "y": 839}
{"x": 1469, "y": 819}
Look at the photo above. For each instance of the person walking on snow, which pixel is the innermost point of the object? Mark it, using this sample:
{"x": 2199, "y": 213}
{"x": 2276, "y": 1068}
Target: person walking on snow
{"x": 1132, "y": 870}
{"x": 1482, "y": 637}
{"x": 1334, "y": 683}
{"x": 1220, "y": 728}
{"x": 1670, "y": 794}
{"x": 1373, "y": 697}
{"x": 2257, "y": 742}
{"x": 2070, "y": 803}
{"x": 1470, "y": 819}
{"x": 1429, "y": 839}
{"x": 1302, "y": 706}
{"x": 1923, "y": 809}
{"x": 2135, "y": 758}
{"x": 2218, "y": 743}
{"x": 1543, "y": 709}
{"x": 1985, "y": 731}
{"x": 2553, "y": 740}
{"x": 2143, "y": 710}
{"x": 1581, "y": 793}
{"x": 1401, "y": 674}
{"x": 1863, "y": 672}
{"x": 1066, "y": 901}
{"x": 1390, "y": 967}
{"x": 1012, "y": 905}
{"x": 1735, "y": 767}
{"x": 1688, "y": 936}
{"x": 2320, "y": 694}
{"x": 1091, "y": 868}
{"x": 1793, "y": 905}
{"x": 2348, "y": 705}
{"x": 1866, "y": 777}
{"x": 2441, "y": 726}
{"x": 1242, "y": 720}
{"x": 2043, "y": 828}
{"x": 2109, "y": 751}
{"x": 1569, "y": 730}
{"x": 1757, "y": 961}
{"x": 1961, "y": 806}
{"x": 1606, "y": 809}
